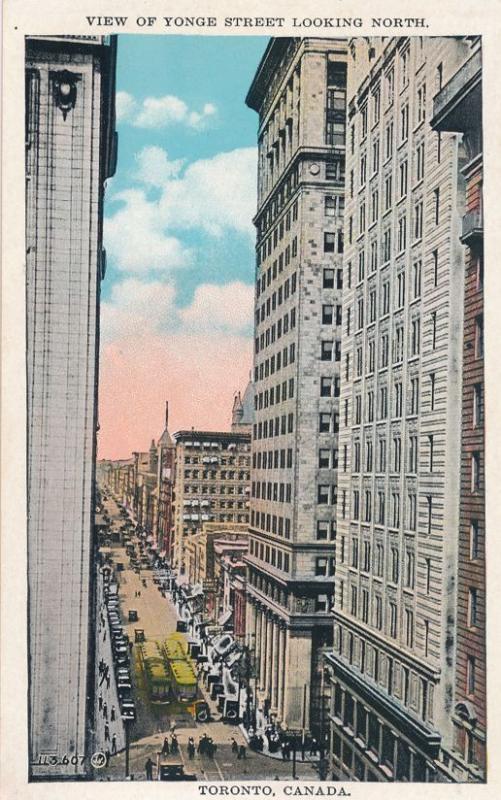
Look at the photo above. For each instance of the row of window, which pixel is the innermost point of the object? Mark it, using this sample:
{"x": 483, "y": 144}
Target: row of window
{"x": 275, "y": 395}
{"x": 397, "y": 408}
{"x": 276, "y": 331}
{"x": 265, "y": 250}
{"x": 271, "y": 523}
{"x": 220, "y": 488}
{"x": 272, "y": 459}
{"x": 276, "y": 492}
{"x": 223, "y": 475}
{"x": 278, "y": 426}
{"x": 368, "y": 510}
{"x": 266, "y": 278}
{"x": 275, "y": 363}
{"x": 269, "y": 554}
{"x": 371, "y": 560}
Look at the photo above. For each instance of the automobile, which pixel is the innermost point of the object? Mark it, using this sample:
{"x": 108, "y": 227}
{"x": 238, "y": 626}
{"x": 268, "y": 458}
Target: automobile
{"x": 128, "y": 709}
{"x": 133, "y": 617}
{"x": 175, "y": 772}
{"x": 181, "y": 626}
{"x": 123, "y": 672}
{"x": 123, "y": 684}
{"x": 122, "y": 658}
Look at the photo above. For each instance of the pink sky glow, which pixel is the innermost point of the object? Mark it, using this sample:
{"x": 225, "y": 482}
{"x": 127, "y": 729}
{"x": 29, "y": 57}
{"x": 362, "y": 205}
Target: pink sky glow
{"x": 197, "y": 374}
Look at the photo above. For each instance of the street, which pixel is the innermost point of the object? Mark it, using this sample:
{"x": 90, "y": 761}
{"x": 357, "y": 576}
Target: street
{"x": 157, "y": 617}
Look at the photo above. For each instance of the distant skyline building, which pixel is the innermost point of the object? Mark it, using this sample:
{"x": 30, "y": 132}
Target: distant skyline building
{"x": 396, "y": 617}
{"x": 70, "y": 152}
{"x": 299, "y": 92}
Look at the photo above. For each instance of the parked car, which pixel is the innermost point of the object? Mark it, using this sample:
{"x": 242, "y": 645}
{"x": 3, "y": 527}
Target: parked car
{"x": 128, "y": 709}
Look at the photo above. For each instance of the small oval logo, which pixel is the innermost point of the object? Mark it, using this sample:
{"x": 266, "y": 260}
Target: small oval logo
{"x": 98, "y": 760}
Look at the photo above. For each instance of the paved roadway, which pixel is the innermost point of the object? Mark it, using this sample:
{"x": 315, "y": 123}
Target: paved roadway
{"x": 158, "y": 617}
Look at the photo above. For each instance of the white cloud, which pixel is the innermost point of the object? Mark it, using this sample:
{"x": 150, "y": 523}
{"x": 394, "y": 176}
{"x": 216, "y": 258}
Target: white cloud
{"x": 125, "y": 106}
{"x": 136, "y": 237}
{"x": 136, "y": 307}
{"x": 220, "y": 308}
{"x": 154, "y": 167}
{"x": 140, "y": 308}
{"x": 160, "y": 112}
{"x": 216, "y": 195}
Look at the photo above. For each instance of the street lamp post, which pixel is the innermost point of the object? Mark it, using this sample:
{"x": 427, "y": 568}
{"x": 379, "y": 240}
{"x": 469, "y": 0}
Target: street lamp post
{"x": 127, "y": 746}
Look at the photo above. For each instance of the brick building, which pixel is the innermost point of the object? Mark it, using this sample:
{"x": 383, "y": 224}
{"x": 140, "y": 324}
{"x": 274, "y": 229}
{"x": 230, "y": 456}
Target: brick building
{"x": 458, "y": 107}
{"x": 299, "y": 92}
{"x": 212, "y": 480}
{"x": 70, "y": 152}
{"x": 392, "y": 665}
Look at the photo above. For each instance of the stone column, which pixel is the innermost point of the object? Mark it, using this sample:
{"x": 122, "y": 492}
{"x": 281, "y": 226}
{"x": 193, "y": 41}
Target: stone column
{"x": 258, "y": 644}
{"x": 298, "y": 668}
{"x": 281, "y": 669}
{"x": 250, "y": 621}
{"x": 275, "y": 665}
{"x": 269, "y": 655}
{"x": 262, "y": 652}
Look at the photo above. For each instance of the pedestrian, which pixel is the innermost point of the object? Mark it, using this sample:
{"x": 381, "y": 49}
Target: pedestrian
{"x": 103, "y": 678}
{"x": 104, "y": 635}
{"x": 174, "y": 744}
{"x": 313, "y": 747}
{"x": 100, "y": 701}
{"x": 105, "y": 710}
{"x": 191, "y": 748}
{"x": 108, "y": 681}
{"x": 112, "y": 714}
{"x": 148, "y": 768}
{"x": 234, "y": 746}
{"x": 106, "y": 732}
{"x": 242, "y": 752}
{"x": 165, "y": 748}
{"x": 114, "y": 745}
{"x": 139, "y": 594}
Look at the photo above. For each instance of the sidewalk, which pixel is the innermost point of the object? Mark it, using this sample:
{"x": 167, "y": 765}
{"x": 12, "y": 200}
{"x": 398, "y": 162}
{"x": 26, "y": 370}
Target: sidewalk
{"x": 261, "y": 725}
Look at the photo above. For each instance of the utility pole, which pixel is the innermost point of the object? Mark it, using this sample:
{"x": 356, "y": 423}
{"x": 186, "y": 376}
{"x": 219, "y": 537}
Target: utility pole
{"x": 127, "y": 747}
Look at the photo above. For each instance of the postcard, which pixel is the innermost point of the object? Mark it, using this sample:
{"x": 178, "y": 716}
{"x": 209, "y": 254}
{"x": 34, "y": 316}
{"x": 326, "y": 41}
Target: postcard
{"x": 249, "y": 403}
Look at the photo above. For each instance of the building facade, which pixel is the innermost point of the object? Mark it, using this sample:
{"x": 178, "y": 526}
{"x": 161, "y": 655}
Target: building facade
{"x": 212, "y": 484}
{"x": 70, "y": 151}
{"x": 458, "y": 107}
{"x": 299, "y": 92}
{"x": 392, "y": 665}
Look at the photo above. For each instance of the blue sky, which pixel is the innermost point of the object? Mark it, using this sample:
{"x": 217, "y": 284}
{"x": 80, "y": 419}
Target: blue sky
{"x": 177, "y": 300}
{"x": 197, "y": 70}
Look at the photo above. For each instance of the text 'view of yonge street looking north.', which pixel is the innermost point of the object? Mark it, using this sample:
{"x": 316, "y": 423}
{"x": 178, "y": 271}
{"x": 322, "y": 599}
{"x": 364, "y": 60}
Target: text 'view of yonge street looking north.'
{"x": 255, "y": 365}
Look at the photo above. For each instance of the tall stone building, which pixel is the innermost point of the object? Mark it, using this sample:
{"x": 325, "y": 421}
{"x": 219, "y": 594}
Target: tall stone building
{"x": 458, "y": 107}
{"x": 211, "y": 484}
{"x": 70, "y": 151}
{"x": 299, "y": 92}
{"x": 395, "y": 611}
